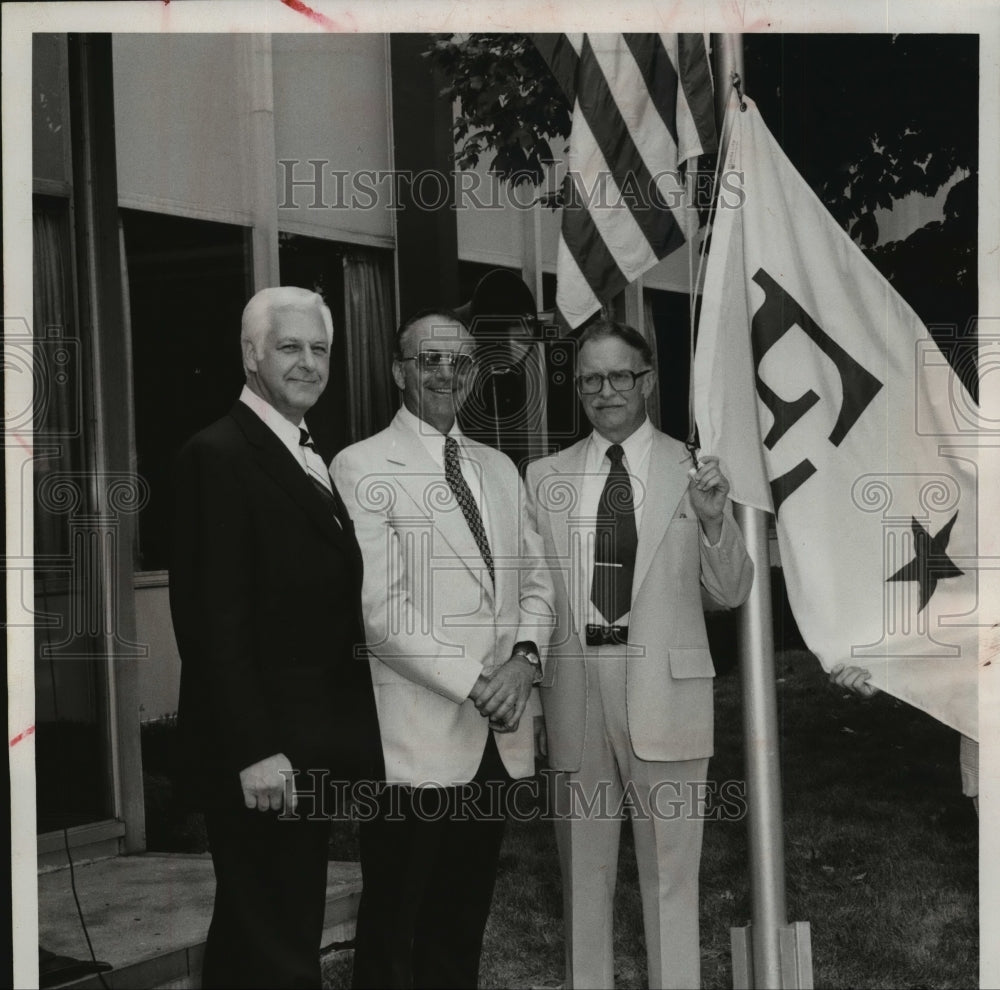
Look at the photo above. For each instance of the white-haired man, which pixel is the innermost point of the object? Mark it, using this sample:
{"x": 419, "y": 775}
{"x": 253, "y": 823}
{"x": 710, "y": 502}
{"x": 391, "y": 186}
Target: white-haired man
{"x": 265, "y": 585}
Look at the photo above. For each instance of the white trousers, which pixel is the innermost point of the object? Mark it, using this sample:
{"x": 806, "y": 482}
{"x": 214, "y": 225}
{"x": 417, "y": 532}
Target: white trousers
{"x": 666, "y": 804}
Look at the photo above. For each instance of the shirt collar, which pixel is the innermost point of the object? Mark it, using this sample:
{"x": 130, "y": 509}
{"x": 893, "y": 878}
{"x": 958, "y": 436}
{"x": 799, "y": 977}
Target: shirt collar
{"x": 636, "y": 445}
{"x": 430, "y": 436}
{"x": 287, "y": 432}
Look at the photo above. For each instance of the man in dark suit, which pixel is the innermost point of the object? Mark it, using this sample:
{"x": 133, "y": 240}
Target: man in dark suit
{"x": 265, "y": 589}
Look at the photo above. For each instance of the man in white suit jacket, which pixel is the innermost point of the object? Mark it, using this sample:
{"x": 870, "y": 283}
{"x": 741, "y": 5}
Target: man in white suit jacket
{"x": 627, "y": 692}
{"x": 457, "y": 607}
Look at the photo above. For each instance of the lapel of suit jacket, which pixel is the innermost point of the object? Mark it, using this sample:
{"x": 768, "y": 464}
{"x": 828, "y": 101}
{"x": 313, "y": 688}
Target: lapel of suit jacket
{"x": 666, "y": 482}
{"x": 276, "y": 461}
{"x": 562, "y": 497}
{"x": 424, "y": 481}
{"x": 558, "y": 494}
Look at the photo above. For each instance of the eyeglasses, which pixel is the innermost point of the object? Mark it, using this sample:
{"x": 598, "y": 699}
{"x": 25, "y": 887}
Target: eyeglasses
{"x": 621, "y": 381}
{"x": 432, "y": 360}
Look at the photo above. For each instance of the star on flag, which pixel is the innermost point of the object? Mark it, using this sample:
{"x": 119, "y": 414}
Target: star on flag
{"x": 931, "y": 564}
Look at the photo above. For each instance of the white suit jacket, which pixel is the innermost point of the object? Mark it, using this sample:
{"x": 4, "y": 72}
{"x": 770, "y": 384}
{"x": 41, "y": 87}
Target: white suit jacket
{"x": 669, "y": 668}
{"x": 433, "y": 619}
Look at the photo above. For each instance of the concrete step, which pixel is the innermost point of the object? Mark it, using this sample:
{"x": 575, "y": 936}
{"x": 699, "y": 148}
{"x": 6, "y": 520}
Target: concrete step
{"x": 148, "y": 915}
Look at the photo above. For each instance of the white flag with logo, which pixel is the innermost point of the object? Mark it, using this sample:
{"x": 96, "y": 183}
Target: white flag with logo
{"x": 830, "y": 404}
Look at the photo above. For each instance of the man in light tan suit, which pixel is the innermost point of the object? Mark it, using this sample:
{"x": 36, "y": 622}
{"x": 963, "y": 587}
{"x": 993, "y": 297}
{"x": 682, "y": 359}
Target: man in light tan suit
{"x": 457, "y": 606}
{"x": 633, "y": 534}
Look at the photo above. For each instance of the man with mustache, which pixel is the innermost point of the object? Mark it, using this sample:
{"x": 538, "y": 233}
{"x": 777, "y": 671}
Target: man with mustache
{"x": 633, "y": 533}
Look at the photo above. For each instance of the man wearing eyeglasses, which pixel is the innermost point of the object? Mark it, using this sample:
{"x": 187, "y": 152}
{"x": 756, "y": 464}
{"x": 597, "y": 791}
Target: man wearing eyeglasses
{"x": 633, "y": 533}
{"x": 457, "y": 608}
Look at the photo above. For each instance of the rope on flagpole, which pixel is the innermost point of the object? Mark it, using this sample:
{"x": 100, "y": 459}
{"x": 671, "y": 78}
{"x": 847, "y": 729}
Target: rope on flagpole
{"x": 738, "y": 86}
{"x": 692, "y": 441}
{"x": 694, "y": 308}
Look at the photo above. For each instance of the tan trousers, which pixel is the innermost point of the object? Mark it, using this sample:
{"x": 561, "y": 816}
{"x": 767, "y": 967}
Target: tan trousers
{"x": 665, "y": 802}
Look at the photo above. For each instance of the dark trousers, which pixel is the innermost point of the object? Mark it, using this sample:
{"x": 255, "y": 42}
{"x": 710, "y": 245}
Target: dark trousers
{"x": 429, "y": 864}
{"x": 270, "y": 897}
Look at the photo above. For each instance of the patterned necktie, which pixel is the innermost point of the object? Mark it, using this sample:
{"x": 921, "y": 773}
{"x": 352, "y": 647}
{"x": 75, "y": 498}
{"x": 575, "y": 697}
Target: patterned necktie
{"x": 453, "y": 475}
{"x": 615, "y": 542}
{"x": 328, "y": 496}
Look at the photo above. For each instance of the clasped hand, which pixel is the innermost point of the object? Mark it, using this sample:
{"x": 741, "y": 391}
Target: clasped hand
{"x": 501, "y": 693}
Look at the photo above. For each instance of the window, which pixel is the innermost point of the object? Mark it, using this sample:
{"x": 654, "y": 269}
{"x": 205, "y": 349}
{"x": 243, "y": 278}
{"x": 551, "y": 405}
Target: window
{"x": 672, "y": 323}
{"x": 357, "y": 283}
{"x": 72, "y": 752}
{"x": 188, "y": 281}
{"x": 316, "y": 264}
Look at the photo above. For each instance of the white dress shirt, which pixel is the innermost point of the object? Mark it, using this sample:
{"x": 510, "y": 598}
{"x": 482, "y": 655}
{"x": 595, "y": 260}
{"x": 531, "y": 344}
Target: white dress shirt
{"x": 288, "y": 434}
{"x": 472, "y": 472}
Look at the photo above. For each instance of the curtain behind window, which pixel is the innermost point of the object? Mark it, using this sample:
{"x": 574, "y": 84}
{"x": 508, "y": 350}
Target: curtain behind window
{"x": 370, "y": 327}
{"x": 57, "y": 396}
{"x": 72, "y": 759}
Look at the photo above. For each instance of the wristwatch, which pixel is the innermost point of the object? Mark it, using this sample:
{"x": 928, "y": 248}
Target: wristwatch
{"x": 529, "y": 653}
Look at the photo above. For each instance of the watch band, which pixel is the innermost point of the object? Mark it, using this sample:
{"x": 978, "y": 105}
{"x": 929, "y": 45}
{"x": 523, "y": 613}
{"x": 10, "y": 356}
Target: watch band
{"x": 532, "y": 657}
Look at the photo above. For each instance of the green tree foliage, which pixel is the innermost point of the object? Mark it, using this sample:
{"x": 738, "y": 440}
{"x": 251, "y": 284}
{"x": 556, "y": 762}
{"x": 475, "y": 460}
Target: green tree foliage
{"x": 509, "y": 103}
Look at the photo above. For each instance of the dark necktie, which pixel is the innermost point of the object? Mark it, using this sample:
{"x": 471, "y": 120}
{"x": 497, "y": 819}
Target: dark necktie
{"x": 453, "y": 475}
{"x": 615, "y": 542}
{"x": 328, "y": 496}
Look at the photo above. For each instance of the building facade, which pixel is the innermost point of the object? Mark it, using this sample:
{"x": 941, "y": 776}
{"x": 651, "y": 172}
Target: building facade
{"x": 173, "y": 175}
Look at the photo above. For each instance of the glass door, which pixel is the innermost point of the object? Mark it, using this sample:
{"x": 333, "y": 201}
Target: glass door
{"x": 74, "y": 777}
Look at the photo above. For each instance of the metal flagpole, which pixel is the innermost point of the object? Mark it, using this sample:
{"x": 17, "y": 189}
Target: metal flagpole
{"x": 768, "y": 953}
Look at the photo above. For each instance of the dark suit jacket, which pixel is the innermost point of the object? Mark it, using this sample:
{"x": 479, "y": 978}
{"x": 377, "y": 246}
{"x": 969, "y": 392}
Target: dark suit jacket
{"x": 265, "y": 595}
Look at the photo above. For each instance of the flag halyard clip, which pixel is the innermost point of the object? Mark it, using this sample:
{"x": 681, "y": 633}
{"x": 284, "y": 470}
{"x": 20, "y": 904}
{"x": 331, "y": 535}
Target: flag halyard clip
{"x": 738, "y": 86}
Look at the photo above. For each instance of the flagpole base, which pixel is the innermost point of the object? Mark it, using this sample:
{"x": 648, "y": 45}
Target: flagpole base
{"x": 795, "y": 948}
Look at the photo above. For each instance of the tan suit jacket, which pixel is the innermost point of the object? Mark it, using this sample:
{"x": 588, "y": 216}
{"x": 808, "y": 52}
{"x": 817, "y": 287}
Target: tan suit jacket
{"x": 670, "y": 671}
{"x": 433, "y": 619}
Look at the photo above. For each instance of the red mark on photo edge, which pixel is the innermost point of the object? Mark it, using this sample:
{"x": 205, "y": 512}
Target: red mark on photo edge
{"x": 314, "y": 15}
{"x": 22, "y": 735}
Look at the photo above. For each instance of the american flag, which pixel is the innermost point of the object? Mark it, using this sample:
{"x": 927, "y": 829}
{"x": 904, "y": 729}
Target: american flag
{"x": 642, "y": 107}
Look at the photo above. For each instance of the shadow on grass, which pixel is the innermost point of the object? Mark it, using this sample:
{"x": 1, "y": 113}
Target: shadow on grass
{"x": 880, "y": 847}
{"x": 881, "y": 853}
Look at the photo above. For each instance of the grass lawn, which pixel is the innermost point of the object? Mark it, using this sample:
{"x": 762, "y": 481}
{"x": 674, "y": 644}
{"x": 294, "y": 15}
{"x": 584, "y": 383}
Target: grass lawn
{"x": 881, "y": 854}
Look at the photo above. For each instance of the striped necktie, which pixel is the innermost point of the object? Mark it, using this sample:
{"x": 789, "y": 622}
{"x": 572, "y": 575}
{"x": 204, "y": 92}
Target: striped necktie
{"x": 466, "y": 501}
{"x": 325, "y": 490}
